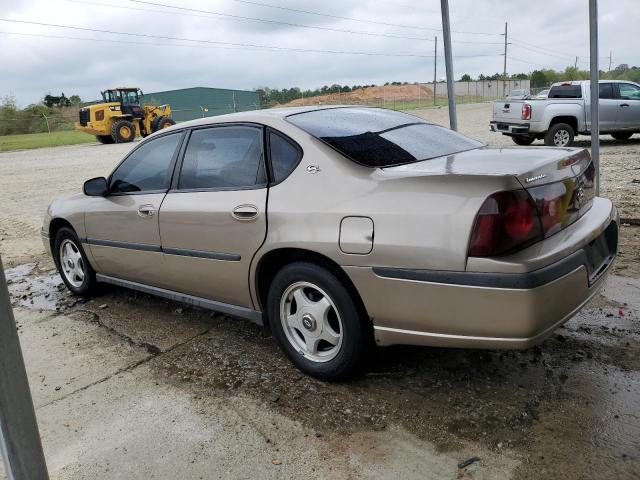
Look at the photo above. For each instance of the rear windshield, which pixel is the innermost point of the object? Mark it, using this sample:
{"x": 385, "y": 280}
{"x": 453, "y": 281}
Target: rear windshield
{"x": 377, "y": 137}
{"x": 565, "y": 91}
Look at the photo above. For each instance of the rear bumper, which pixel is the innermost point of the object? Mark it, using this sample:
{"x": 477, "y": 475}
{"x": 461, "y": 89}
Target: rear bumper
{"x": 509, "y": 128}
{"x": 482, "y": 310}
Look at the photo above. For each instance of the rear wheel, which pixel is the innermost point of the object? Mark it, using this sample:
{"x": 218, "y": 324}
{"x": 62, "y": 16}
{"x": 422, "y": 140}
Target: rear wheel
{"x": 104, "y": 139}
{"x": 161, "y": 122}
{"x": 523, "y": 139}
{"x": 622, "y": 135}
{"x": 123, "y": 131}
{"x": 316, "y": 322}
{"x": 72, "y": 263}
{"x": 559, "y": 135}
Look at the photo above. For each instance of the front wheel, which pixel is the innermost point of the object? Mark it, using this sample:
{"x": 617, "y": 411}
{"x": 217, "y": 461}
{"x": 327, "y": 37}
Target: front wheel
{"x": 316, "y": 322}
{"x": 559, "y": 135}
{"x": 123, "y": 131}
{"x": 523, "y": 139}
{"x": 622, "y": 135}
{"x": 72, "y": 263}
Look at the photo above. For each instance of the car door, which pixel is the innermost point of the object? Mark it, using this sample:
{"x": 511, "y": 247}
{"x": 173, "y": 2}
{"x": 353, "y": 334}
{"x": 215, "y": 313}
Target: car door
{"x": 629, "y": 106}
{"x": 608, "y": 107}
{"x": 213, "y": 219}
{"x": 122, "y": 228}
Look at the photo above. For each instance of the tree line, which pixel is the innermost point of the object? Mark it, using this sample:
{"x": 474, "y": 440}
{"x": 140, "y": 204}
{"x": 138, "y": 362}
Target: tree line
{"x": 59, "y": 112}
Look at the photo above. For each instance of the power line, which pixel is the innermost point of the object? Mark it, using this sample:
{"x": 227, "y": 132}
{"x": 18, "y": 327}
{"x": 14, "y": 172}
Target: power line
{"x": 352, "y": 19}
{"x": 234, "y": 44}
{"x": 253, "y": 19}
{"x": 284, "y": 23}
{"x": 189, "y": 14}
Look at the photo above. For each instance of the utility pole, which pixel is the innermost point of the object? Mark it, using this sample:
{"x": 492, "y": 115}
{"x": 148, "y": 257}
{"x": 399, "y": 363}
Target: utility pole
{"x": 595, "y": 112}
{"x": 448, "y": 60}
{"x": 435, "y": 68}
{"x": 20, "y": 445}
{"x": 575, "y": 65}
{"x": 610, "y": 52}
{"x": 504, "y": 72}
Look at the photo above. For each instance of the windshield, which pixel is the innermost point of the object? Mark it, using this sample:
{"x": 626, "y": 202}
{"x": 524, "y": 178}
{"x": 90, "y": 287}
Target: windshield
{"x": 377, "y": 137}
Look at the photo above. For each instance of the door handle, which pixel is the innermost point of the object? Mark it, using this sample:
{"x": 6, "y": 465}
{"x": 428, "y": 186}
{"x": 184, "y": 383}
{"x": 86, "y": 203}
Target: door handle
{"x": 245, "y": 212}
{"x": 623, "y": 105}
{"x": 146, "y": 210}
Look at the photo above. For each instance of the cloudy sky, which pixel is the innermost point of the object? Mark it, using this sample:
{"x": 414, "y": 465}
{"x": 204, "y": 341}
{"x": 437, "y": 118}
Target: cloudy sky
{"x": 207, "y": 43}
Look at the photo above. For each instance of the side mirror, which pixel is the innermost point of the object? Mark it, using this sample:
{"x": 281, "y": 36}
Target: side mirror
{"x": 96, "y": 187}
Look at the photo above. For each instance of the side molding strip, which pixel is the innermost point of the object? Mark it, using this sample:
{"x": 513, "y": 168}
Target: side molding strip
{"x": 229, "y": 257}
{"x": 133, "y": 246}
{"x": 235, "y": 310}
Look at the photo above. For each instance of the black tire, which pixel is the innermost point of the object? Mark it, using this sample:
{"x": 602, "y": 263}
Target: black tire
{"x": 104, "y": 139}
{"x": 523, "y": 139}
{"x": 88, "y": 285}
{"x": 123, "y": 131}
{"x": 622, "y": 135}
{"x": 349, "y": 354}
{"x": 159, "y": 123}
{"x": 564, "y": 131}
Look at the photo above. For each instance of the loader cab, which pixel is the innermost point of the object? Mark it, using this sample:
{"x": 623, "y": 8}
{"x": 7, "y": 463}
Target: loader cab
{"x": 128, "y": 98}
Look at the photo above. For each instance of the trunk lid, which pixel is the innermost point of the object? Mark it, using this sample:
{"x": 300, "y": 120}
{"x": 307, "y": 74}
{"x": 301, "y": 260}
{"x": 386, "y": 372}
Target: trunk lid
{"x": 561, "y": 181}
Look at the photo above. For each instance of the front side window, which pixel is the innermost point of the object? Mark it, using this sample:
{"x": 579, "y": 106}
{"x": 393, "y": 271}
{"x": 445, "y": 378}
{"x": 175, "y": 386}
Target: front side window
{"x": 147, "y": 167}
{"x": 225, "y": 157}
{"x": 376, "y": 137}
{"x": 284, "y": 156}
{"x": 629, "y": 91}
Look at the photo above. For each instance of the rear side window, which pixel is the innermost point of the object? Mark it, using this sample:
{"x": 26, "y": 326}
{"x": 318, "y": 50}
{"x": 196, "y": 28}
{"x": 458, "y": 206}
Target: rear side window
{"x": 147, "y": 167}
{"x": 606, "y": 91}
{"x": 565, "y": 91}
{"x": 284, "y": 156}
{"x": 223, "y": 157}
{"x": 376, "y": 137}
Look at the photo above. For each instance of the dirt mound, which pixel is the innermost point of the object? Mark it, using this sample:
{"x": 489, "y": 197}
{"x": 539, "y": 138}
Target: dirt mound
{"x": 388, "y": 93}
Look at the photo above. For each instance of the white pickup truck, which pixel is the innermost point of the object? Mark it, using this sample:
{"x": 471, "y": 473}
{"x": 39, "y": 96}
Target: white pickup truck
{"x": 566, "y": 113}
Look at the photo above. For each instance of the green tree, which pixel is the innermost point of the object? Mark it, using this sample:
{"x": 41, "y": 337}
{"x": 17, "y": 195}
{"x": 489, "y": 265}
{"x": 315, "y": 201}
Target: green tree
{"x": 465, "y": 78}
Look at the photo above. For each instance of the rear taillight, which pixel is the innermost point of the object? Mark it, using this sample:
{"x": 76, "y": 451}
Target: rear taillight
{"x": 560, "y": 204}
{"x": 526, "y": 111}
{"x": 505, "y": 222}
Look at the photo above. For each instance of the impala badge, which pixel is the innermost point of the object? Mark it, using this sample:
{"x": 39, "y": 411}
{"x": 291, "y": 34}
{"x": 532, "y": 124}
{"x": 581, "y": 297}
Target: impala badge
{"x": 537, "y": 177}
{"x": 313, "y": 168}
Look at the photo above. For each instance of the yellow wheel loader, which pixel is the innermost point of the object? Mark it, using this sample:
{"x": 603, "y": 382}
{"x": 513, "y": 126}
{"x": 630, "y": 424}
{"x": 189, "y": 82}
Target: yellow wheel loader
{"x": 120, "y": 118}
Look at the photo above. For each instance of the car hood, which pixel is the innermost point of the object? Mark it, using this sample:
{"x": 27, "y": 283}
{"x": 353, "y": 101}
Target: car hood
{"x": 530, "y": 165}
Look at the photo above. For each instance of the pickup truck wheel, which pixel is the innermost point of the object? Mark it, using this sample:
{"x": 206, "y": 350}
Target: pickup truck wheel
{"x": 622, "y": 135}
{"x": 559, "y": 135}
{"x": 316, "y": 322}
{"x": 523, "y": 139}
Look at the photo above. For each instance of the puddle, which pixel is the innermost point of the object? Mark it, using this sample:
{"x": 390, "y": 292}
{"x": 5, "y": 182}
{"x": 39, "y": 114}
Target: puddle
{"x": 44, "y": 292}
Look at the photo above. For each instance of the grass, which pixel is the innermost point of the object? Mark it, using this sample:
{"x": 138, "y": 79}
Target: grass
{"x": 39, "y": 140}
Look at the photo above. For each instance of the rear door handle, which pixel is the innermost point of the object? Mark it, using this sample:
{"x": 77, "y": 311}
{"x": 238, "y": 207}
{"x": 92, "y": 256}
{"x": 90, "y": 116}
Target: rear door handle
{"x": 146, "y": 210}
{"x": 245, "y": 212}
{"x": 623, "y": 105}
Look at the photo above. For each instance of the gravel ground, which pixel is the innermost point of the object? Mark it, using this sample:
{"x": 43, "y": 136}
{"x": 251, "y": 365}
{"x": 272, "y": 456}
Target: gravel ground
{"x": 116, "y": 378}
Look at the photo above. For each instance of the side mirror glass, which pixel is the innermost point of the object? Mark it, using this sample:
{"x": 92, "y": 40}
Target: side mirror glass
{"x": 96, "y": 187}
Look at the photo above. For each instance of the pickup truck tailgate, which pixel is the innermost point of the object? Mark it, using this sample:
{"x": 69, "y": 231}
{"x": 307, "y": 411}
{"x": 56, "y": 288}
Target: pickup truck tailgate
{"x": 507, "y": 110}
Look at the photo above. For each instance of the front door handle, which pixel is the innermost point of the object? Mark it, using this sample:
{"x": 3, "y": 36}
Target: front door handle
{"x": 245, "y": 212}
{"x": 623, "y": 105}
{"x": 146, "y": 210}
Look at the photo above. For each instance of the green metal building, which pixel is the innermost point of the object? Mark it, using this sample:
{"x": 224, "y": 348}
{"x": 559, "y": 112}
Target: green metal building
{"x": 198, "y": 102}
